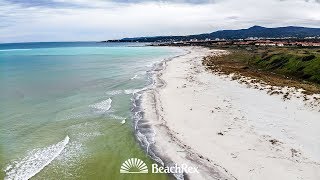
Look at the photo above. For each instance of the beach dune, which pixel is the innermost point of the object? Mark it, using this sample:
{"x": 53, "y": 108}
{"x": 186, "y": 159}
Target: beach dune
{"x": 227, "y": 129}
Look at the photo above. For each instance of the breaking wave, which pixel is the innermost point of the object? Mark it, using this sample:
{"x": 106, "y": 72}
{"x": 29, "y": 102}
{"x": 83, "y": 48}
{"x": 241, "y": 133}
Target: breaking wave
{"x": 102, "y": 106}
{"x": 114, "y": 92}
{"x": 35, "y": 161}
{"x": 126, "y": 91}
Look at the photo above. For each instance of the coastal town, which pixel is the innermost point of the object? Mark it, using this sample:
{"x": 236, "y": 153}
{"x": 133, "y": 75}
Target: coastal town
{"x": 312, "y": 42}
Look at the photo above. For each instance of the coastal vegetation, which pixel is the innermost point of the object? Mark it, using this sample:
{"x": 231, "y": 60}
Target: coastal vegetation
{"x": 280, "y": 66}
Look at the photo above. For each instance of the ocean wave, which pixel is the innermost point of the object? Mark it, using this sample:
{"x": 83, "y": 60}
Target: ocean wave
{"x": 117, "y": 117}
{"x": 131, "y": 91}
{"x": 4, "y": 50}
{"x": 123, "y": 119}
{"x": 114, "y": 92}
{"x": 102, "y": 106}
{"x": 35, "y": 161}
{"x": 126, "y": 91}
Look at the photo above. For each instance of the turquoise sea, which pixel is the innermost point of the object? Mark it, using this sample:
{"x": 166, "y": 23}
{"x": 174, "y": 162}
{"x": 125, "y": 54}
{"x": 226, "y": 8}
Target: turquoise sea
{"x": 67, "y": 109}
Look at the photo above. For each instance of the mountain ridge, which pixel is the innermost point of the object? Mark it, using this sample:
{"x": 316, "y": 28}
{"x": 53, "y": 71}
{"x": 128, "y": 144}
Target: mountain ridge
{"x": 254, "y": 31}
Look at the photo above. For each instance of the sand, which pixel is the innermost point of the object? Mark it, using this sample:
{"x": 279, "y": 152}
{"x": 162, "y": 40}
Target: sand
{"x": 227, "y": 129}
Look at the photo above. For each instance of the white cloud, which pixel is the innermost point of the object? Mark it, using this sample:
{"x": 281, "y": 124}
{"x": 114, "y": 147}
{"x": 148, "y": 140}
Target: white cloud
{"x": 100, "y": 20}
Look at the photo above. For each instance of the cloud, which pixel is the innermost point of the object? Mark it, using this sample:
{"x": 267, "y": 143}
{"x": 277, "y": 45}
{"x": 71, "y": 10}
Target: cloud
{"x": 83, "y": 3}
{"x": 70, "y": 20}
{"x": 42, "y": 3}
{"x": 172, "y": 1}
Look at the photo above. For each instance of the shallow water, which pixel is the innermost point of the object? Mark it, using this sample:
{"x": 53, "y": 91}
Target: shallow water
{"x": 63, "y": 106}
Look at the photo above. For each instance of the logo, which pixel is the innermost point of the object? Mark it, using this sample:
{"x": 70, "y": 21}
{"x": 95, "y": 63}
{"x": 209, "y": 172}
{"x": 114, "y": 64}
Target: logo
{"x": 134, "y": 165}
{"x": 174, "y": 169}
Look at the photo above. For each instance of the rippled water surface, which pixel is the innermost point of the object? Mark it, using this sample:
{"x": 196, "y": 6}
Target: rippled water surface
{"x": 66, "y": 108}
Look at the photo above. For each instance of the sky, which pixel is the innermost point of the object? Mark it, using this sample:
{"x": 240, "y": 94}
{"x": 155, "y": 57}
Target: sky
{"x": 96, "y": 20}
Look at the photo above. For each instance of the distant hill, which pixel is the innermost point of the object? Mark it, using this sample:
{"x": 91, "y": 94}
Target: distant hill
{"x": 255, "y": 31}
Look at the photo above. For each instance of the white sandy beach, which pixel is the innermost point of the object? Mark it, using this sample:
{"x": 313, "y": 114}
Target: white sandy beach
{"x": 229, "y": 130}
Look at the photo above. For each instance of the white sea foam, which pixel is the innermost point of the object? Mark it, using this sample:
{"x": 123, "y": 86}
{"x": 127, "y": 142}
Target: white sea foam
{"x": 102, "y": 106}
{"x": 135, "y": 77}
{"x": 126, "y": 91}
{"x": 35, "y": 161}
{"x": 114, "y": 92}
{"x": 117, "y": 117}
{"x": 123, "y": 119}
{"x": 132, "y": 91}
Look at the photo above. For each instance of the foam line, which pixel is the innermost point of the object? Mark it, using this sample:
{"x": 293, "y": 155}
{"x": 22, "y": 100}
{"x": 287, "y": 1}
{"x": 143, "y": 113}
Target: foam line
{"x": 35, "y": 161}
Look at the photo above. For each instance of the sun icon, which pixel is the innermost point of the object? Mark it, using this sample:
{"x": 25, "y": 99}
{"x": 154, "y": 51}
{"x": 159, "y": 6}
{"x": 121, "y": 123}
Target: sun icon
{"x": 134, "y": 165}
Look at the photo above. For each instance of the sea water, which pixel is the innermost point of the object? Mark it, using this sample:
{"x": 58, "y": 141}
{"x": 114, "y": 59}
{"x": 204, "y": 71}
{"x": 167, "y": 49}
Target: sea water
{"x": 66, "y": 109}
